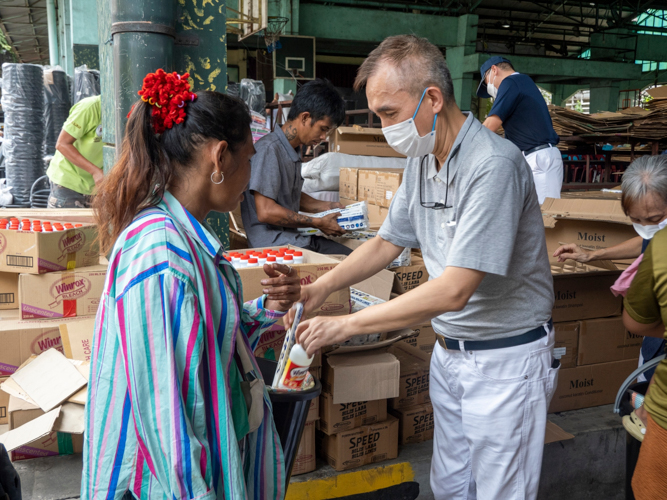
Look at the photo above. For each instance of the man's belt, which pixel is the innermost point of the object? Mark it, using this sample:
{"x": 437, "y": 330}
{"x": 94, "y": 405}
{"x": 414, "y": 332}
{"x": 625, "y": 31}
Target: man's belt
{"x": 536, "y": 149}
{"x": 485, "y": 345}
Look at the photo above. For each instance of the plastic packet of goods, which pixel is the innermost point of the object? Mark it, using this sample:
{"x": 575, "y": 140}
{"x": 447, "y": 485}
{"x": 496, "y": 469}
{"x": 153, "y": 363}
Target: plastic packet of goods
{"x": 360, "y": 300}
{"x": 352, "y": 218}
{"x": 405, "y": 259}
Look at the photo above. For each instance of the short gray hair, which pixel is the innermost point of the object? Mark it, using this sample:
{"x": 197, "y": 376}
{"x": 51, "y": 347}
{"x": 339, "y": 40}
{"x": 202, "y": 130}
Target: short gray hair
{"x": 420, "y": 62}
{"x": 646, "y": 175}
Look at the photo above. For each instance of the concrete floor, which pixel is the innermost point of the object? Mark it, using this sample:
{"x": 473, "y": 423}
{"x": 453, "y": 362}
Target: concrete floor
{"x": 589, "y": 467}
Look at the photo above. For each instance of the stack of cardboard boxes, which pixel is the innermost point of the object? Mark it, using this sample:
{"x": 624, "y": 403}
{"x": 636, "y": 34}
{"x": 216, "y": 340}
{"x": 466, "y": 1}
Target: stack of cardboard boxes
{"x": 48, "y": 279}
{"x": 596, "y": 352}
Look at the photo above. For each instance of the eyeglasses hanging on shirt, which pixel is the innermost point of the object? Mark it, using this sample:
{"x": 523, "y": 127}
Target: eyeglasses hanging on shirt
{"x": 432, "y": 204}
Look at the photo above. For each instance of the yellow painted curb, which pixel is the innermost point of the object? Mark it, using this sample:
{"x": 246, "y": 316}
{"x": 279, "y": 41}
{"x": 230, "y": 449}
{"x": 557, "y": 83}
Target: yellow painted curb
{"x": 351, "y": 483}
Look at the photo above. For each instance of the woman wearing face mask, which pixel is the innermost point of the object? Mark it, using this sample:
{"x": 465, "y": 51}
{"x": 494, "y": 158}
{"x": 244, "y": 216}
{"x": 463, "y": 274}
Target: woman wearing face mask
{"x": 175, "y": 408}
{"x": 645, "y": 313}
{"x": 644, "y": 200}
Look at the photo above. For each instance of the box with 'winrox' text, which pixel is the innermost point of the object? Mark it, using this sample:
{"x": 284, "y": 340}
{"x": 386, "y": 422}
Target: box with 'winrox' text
{"x": 62, "y": 294}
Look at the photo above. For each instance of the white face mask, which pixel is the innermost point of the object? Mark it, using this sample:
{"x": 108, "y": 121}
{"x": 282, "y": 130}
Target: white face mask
{"x": 405, "y": 139}
{"x": 648, "y": 232}
{"x": 491, "y": 88}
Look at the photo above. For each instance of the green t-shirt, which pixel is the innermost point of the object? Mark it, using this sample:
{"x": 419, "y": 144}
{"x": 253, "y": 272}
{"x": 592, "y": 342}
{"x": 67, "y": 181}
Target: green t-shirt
{"x": 646, "y": 303}
{"x": 85, "y": 125}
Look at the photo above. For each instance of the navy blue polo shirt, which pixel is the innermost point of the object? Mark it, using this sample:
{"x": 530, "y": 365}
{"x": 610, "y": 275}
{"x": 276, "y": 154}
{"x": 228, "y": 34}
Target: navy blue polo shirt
{"x": 524, "y": 113}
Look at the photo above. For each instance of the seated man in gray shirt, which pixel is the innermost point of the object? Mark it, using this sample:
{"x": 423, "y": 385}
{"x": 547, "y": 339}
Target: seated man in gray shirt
{"x": 271, "y": 205}
{"x": 468, "y": 201}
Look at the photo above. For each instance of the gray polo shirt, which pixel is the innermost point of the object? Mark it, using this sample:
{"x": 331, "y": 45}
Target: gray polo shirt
{"x": 495, "y": 226}
{"x": 276, "y": 174}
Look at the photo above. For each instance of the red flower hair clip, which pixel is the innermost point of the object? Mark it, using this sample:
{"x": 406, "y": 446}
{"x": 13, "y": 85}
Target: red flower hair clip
{"x": 168, "y": 93}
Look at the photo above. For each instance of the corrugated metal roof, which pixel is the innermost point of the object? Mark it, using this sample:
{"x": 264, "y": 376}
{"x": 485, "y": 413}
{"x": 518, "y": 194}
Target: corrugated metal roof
{"x": 23, "y": 23}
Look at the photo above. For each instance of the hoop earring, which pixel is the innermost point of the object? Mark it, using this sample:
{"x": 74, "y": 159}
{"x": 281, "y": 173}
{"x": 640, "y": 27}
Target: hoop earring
{"x": 222, "y": 177}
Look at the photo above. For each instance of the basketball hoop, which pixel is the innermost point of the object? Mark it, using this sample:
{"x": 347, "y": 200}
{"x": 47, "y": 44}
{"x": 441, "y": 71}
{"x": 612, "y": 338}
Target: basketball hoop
{"x": 272, "y": 32}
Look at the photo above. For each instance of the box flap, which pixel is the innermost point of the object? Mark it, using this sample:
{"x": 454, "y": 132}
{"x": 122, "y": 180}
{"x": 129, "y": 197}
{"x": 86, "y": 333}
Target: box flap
{"x": 71, "y": 419}
{"x": 604, "y": 210}
{"x": 50, "y": 379}
{"x": 357, "y": 130}
{"x": 32, "y": 431}
{"x": 554, "y": 434}
{"x": 379, "y": 285}
{"x": 392, "y": 338}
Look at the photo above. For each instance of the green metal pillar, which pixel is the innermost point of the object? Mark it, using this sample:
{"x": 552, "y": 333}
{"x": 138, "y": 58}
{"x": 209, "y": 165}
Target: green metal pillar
{"x": 53, "y": 31}
{"x": 143, "y": 33}
{"x": 604, "y": 96}
{"x": 106, "y": 83}
{"x": 458, "y": 61}
{"x": 201, "y": 50}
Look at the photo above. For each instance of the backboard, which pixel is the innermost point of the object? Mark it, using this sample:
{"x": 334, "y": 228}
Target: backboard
{"x": 295, "y": 58}
{"x": 251, "y": 17}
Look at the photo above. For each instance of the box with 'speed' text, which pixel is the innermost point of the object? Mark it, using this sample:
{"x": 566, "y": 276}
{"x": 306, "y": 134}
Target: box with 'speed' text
{"x": 414, "y": 376}
{"x": 62, "y": 294}
{"x": 305, "y": 460}
{"x": 425, "y": 339}
{"x": 416, "y": 423}
{"x": 364, "y": 445}
{"x": 336, "y": 418}
{"x": 409, "y": 277}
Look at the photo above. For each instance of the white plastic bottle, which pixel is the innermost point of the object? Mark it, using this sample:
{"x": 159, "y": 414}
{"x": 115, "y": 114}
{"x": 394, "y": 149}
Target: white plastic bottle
{"x": 296, "y": 368}
{"x": 262, "y": 261}
{"x": 280, "y": 258}
{"x": 252, "y": 262}
{"x": 298, "y": 257}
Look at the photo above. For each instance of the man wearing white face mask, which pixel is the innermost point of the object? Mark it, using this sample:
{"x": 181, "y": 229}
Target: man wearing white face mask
{"x": 469, "y": 202}
{"x": 519, "y": 107}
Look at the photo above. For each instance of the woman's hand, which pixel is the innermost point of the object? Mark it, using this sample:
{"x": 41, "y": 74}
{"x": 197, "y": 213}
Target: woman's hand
{"x": 312, "y": 297}
{"x": 322, "y": 331}
{"x": 283, "y": 287}
{"x": 572, "y": 252}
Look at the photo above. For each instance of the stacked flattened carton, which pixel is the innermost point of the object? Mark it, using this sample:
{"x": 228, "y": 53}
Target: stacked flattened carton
{"x": 596, "y": 352}
{"x": 47, "y": 280}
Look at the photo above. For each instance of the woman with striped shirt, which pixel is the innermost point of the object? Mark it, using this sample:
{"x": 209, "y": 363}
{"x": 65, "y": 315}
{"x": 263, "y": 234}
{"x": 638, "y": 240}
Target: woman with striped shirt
{"x": 172, "y": 410}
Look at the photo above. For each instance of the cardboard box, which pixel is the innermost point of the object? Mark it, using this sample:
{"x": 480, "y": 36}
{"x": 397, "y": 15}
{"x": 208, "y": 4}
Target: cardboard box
{"x": 582, "y": 292}
{"x": 313, "y": 410}
{"x": 361, "y": 141}
{"x": 590, "y": 223}
{"x": 38, "y": 253}
{"x": 364, "y": 445}
{"x": 77, "y": 338}
{"x": 306, "y": 455}
{"x": 567, "y": 343}
{"x": 52, "y": 443}
{"x": 424, "y": 340}
{"x": 4, "y": 401}
{"x": 335, "y": 418}
{"x": 315, "y": 266}
{"x": 22, "y": 339}
{"x": 9, "y": 291}
{"x": 604, "y": 340}
{"x": 378, "y": 187}
{"x": 415, "y": 424}
{"x": 360, "y": 376}
{"x": 347, "y": 184}
{"x": 590, "y": 385}
{"x": 62, "y": 294}
{"x": 409, "y": 277}
{"x": 414, "y": 376}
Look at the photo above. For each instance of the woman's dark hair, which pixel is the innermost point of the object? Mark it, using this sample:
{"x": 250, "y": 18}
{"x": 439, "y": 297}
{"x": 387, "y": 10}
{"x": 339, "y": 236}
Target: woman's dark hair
{"x": 321, "y": 99}
{"x": 149, "y": 163}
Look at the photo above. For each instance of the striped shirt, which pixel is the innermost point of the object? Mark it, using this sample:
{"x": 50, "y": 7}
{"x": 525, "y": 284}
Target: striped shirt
{"x": 159, "y": 417}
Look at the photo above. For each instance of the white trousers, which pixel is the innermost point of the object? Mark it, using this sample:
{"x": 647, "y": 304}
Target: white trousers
{"x": 547, "y": 167}
{"x": 490, "y": 410}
